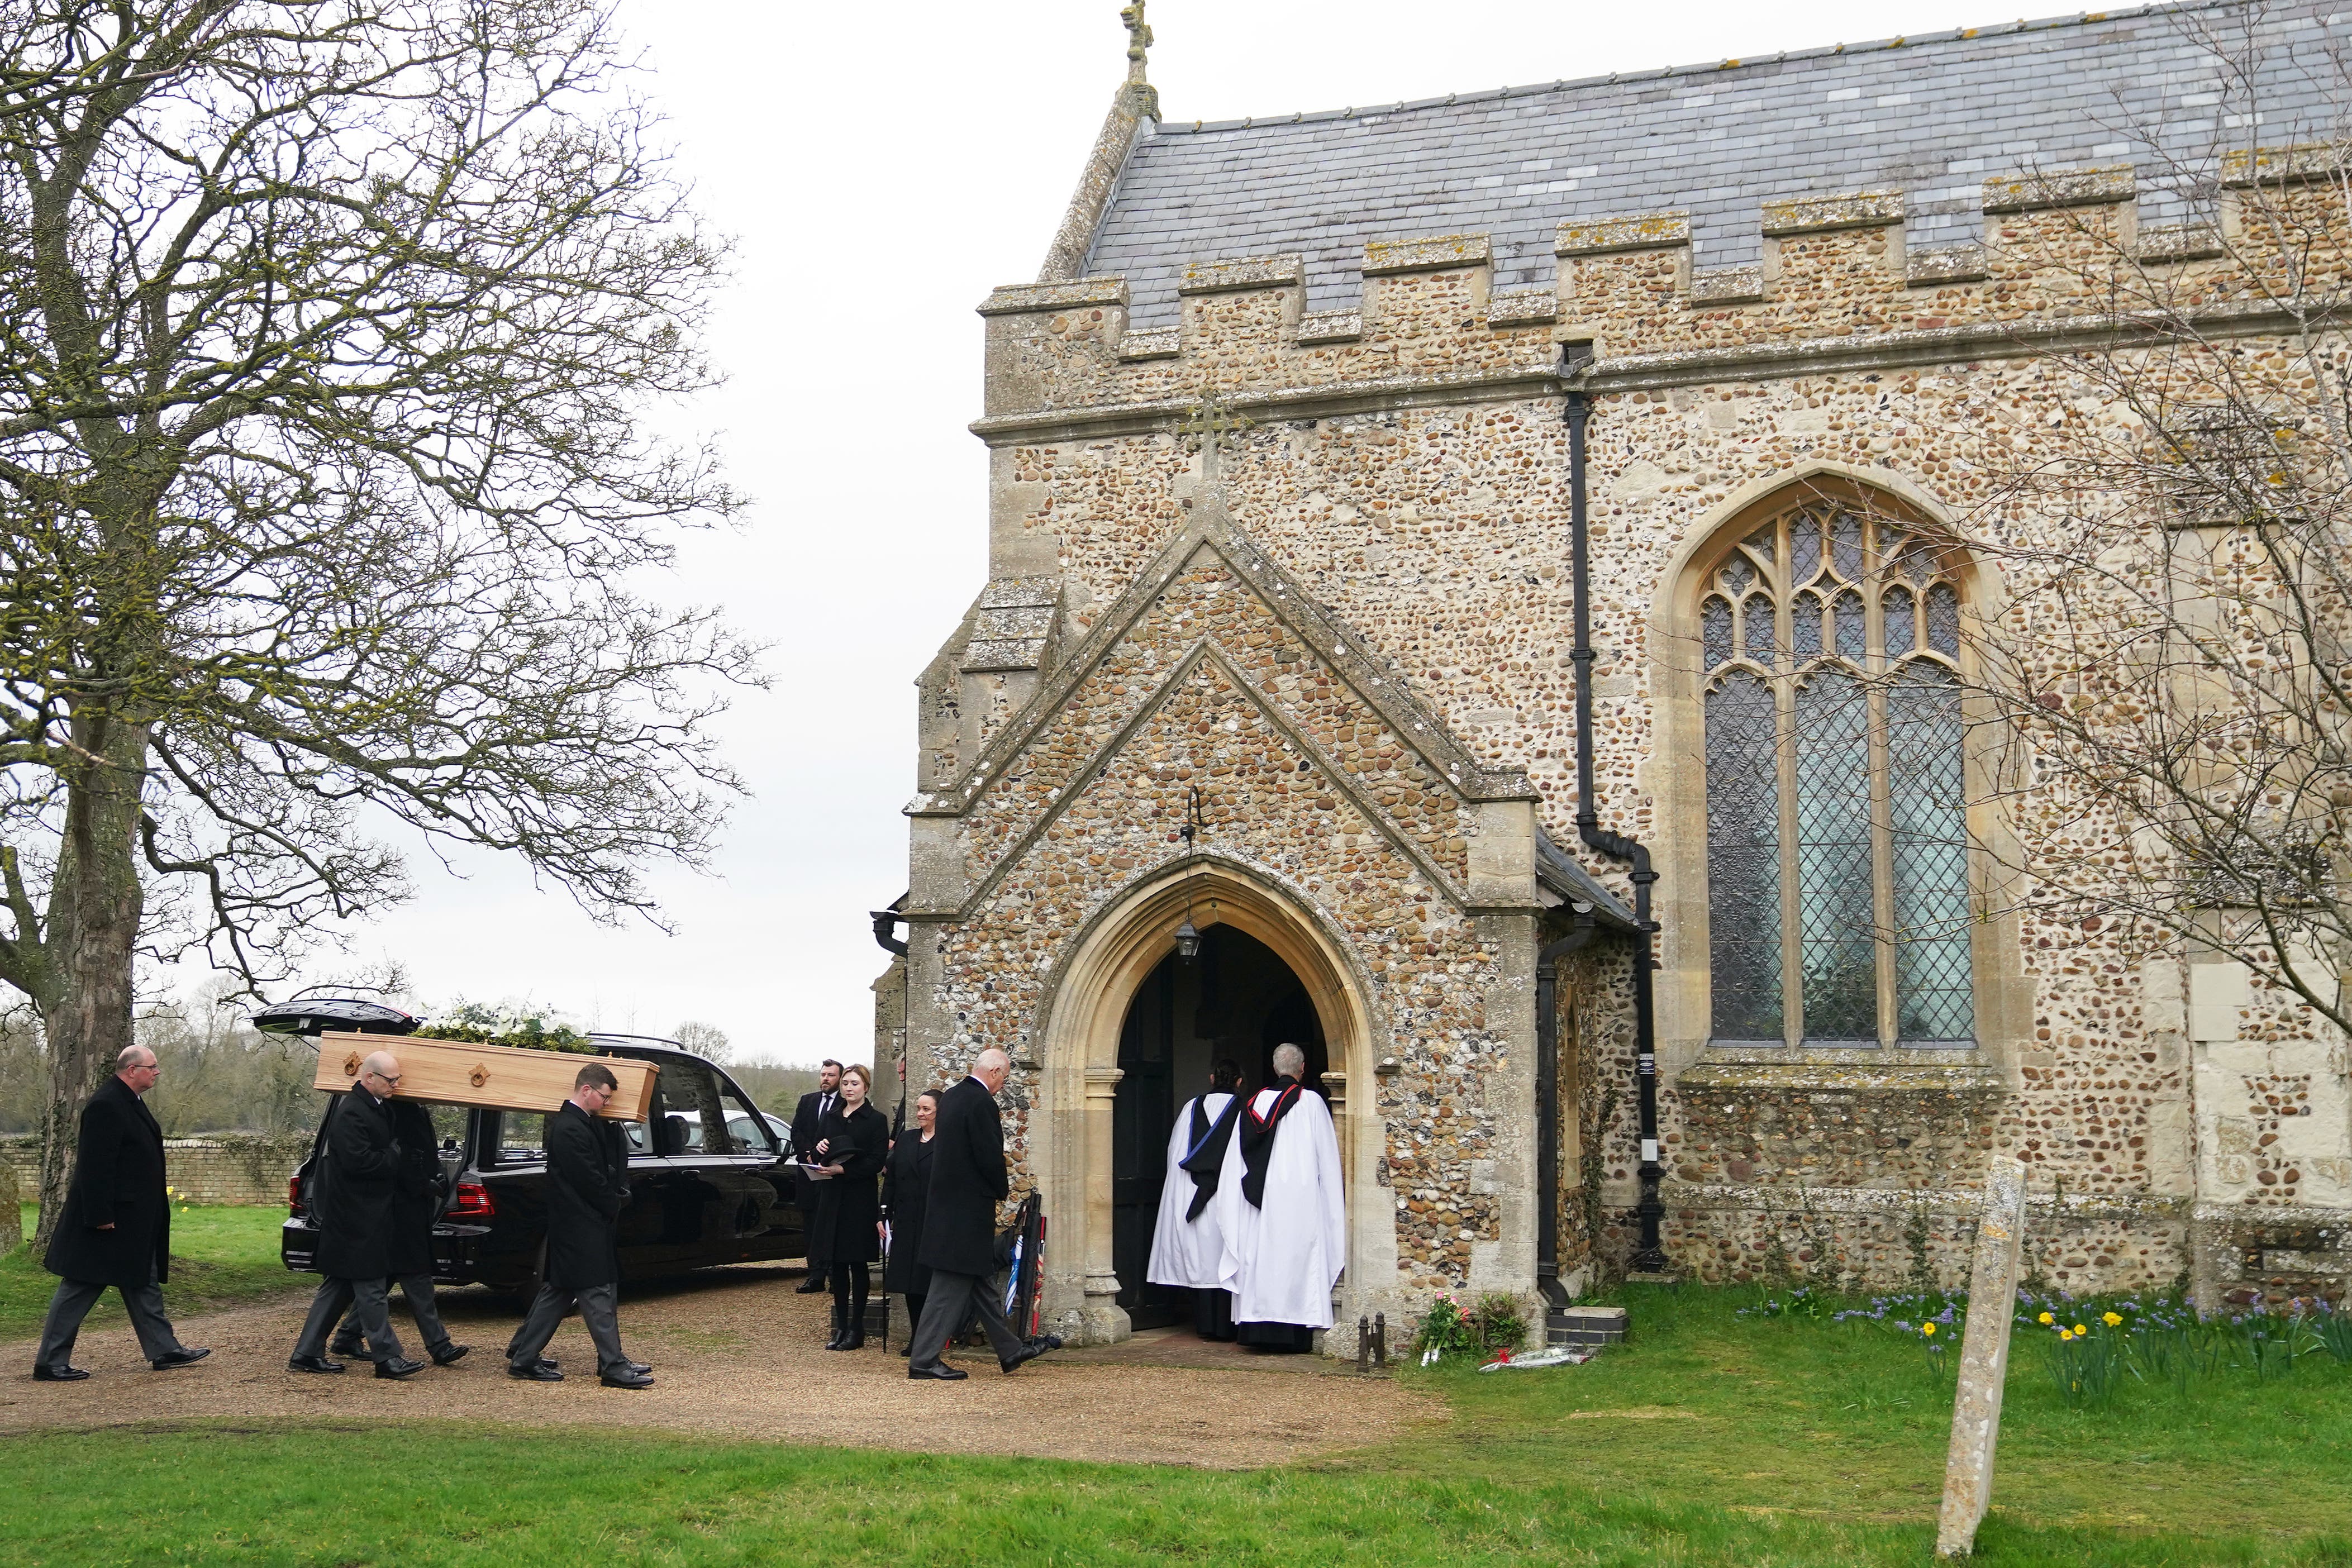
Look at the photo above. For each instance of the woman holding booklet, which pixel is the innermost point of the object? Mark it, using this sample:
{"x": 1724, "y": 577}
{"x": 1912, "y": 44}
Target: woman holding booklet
{"x": 845, "y": 1234}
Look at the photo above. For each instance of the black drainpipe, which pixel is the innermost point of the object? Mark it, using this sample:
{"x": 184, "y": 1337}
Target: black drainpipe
{"x": 1649, "y": 1256}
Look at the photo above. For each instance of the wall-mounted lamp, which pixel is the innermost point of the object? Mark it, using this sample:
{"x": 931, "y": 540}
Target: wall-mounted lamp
{"x": 1194, "y": 823}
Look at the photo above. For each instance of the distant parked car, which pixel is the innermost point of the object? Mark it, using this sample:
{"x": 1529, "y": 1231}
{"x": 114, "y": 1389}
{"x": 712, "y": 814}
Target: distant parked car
{"x": 712, "y": 1180}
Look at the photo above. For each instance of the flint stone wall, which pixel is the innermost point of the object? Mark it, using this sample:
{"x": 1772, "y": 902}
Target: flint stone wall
{"x": 1408, "y": 469}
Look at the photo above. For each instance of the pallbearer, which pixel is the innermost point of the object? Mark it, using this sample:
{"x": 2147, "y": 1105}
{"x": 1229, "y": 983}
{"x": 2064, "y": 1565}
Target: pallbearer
{"x": 352, "y": 1191}
{"x": 1187, "y": 1247}
{"x": 1282, "y": 1211}
{"x": 587, "y": 1185}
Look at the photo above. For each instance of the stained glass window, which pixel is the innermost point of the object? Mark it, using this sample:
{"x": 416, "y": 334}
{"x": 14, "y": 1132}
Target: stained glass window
{"x": 1743, "y": 857}
{"x": 1837, "y": 902}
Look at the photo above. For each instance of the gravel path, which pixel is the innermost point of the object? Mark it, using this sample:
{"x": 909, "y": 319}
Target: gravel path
{"x": 737, "y": 1354}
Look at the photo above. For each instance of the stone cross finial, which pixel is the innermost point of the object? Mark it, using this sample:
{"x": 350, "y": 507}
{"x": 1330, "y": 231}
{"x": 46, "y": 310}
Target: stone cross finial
{"x": 1202, "y": 426}
{"x": 1138, "y": 40}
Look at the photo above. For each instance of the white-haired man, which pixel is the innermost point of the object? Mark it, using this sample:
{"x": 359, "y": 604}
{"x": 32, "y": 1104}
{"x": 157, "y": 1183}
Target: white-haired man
{"x": 352, "y": 1192}
{"x": 1282, "y": 1212}
{"x": 959, "y": 1247}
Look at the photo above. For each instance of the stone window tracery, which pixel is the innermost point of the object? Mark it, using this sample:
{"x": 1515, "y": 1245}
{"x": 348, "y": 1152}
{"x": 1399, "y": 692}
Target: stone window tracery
{"x": 1838, "y": 902}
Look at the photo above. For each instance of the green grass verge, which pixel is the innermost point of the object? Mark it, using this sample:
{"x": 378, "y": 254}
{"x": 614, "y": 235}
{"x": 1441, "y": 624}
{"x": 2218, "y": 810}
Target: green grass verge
{"x": 1804, "y": 1418}
{"x": 220, "y": 1256}
{"x": 458, "y": 1497}
{"x": 1710, "y": 1439}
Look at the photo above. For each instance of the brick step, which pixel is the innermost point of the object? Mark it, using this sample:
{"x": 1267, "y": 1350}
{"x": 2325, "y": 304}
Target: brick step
{"x": 1584, "y": 1328}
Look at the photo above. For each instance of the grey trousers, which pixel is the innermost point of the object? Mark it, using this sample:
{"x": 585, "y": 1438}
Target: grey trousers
{"x": 72, "y": 1303}
{"x": 372, "y": 1301}
{"x": 944, "y": 1306}
{"x": 416, "y": 1290}
{"x": 599, "y": 1309}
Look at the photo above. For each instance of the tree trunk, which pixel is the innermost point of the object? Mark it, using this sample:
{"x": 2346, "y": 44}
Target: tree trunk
{"x": 95, "y": 907}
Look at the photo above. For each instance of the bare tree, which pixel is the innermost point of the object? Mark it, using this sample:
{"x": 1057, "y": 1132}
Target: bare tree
{"x": 2170, "y": 675}
{"x": 328, "y": 329}
{"x": 706, "y": 1041}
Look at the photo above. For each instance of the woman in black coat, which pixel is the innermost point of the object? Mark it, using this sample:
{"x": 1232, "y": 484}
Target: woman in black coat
{"x": 845, "y": 1235}
{"x": 906, "y": 1190}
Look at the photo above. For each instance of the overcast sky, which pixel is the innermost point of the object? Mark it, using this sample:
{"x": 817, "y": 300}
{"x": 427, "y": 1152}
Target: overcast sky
{"x": 882, "y": 167}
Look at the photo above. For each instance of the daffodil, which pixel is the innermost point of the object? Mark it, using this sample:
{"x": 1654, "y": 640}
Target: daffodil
{"x": 2080, "y": 1331}
{"x": 1928, "y": 1329}
{"x": 2113, "y": 1320}
{"x": 2065, "y": 1333}
{"x": 2045, "y": 1319}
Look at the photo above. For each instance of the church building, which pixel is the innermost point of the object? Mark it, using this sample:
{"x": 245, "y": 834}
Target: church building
{"x": 1431, "y": 547}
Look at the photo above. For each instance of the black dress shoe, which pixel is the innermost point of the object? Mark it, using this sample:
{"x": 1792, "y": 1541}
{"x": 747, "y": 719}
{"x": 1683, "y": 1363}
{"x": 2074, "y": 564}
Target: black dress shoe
{"x": 184, "y": 1356}
{"x": 59, "y": 1375}
{"x": 810, "y": 1286}
{"x": 349, "y": 1350}
{"x": 1030, "y": 1350}
{"x": 641, "y": 1369}
{"x": 626, "y": 1380}
{"x": 398, "y": 1366}
{"x": 938, "y": 1372}
{"x": 550, "y": 1362}
{"x": 449, "y": 1353}
{"x": 312, "y": 1364}
{"x": 537, "y": 1372}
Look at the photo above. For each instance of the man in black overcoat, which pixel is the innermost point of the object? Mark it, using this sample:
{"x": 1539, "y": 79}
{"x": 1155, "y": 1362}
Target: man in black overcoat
{"x": 416, "y": 1205}
{"x": 353, "y": 1185}
{"x": 115, "y": 1228}
{"x": 587, "y": 1185}
{"x": 808, "y": 1122}
{"x": 959, "y": 1245}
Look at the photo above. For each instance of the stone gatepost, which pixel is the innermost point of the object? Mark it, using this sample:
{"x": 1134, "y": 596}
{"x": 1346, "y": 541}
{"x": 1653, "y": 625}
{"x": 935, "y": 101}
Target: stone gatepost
{"x": 1984, "y": 1361}
{"x": 12, "y": 1224}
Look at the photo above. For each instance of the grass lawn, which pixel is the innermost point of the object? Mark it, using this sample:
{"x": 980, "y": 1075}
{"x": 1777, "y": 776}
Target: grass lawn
{"x": 219, "y": 1256}
{"x": 1709, "y": 1439}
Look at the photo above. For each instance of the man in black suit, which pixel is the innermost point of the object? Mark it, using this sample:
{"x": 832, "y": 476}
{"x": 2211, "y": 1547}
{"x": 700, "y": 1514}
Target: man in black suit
{"x": 587, "y": 1185}
{"x": 808, "y": 1117}
{"x": 416, "y": 1205}
{"x": 352, "y": 1187}
{"x": 959, "y": 1245}
{"x": 115, "y": 1228}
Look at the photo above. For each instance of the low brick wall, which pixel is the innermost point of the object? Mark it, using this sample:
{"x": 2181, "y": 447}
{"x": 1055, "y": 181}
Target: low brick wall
{"x": 225, "y": 1167}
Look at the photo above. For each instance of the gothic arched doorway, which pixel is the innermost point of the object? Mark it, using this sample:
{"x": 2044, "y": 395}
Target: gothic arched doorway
{"x": 1085, "y": 1033}
{"x": 1235, "y": 1001}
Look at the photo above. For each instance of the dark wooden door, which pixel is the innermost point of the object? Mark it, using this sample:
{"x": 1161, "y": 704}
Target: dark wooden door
{"x": 1142, "y": 1113}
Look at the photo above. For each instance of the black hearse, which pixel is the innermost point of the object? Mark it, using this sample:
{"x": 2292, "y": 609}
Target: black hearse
{"x": 710, "y": 1179}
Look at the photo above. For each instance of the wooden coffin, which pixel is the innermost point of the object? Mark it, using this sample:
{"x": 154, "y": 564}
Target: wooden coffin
{"x": 451, "y": 1072}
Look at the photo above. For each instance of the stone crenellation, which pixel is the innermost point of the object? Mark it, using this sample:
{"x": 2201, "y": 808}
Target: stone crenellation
{"x": 1834, "y": 266}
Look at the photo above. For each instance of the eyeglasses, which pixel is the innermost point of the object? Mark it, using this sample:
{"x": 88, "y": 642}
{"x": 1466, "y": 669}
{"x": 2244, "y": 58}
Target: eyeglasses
{"x": 390, "y": 1080}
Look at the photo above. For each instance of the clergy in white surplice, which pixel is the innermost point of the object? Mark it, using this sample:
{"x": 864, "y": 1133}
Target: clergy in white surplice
{"x": 1187, "y": 1247}
{"x": 1282, "y": 1212}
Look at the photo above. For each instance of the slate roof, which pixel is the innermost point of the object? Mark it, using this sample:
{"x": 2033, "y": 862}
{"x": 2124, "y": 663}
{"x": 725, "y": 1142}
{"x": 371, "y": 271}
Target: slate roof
{"x": 1933, "y": 116}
